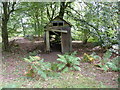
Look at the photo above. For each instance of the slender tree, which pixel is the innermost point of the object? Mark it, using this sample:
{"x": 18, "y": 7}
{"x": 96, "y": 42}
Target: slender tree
{"x": 63, "y": 6}
{"x": 5, "y": 17}
{"x": 119, "y": 23}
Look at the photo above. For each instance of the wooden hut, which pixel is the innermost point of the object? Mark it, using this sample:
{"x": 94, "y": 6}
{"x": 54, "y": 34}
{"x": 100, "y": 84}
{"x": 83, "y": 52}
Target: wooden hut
{"x": 62, "y": 29}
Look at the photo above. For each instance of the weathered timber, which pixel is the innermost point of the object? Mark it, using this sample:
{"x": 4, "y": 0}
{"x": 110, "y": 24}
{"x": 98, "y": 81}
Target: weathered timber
{"x": 62, "y": 31}
{"x": 58, "y": 27}
{"x": 47, "y": 42}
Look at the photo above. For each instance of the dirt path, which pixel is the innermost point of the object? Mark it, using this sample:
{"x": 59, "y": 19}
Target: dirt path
{"x": 51, "y": 57}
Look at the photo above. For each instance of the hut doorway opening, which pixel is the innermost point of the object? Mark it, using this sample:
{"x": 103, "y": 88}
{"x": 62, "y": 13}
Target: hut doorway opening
{"x": 58, "y": 35}
{"x": 55, "y": 41}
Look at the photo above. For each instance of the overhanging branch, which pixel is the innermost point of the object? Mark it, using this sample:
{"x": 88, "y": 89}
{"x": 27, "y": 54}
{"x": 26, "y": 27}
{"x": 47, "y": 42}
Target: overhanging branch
{"x": 85, "y": 22}
{"x": 13, "y": 9}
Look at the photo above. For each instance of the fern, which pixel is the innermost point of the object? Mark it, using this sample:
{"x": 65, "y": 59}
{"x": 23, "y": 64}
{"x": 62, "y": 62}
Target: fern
{"x": 109, "y": 65}
{"x": 68, "y": 61}
{"x": 38, "y": 65}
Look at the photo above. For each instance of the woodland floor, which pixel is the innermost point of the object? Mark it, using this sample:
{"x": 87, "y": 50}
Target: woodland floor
{"x": 13, "y": 66}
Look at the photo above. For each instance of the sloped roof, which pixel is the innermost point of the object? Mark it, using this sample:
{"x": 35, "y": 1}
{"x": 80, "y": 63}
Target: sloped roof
{"x": 61, "y": 19}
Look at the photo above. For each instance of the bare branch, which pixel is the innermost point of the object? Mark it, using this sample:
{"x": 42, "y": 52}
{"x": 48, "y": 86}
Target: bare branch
{"x": 67, "y": 4}
{"x": 75, "y": 10}
{"x": 87, "y": 23}
{"x": 13, "y": 9}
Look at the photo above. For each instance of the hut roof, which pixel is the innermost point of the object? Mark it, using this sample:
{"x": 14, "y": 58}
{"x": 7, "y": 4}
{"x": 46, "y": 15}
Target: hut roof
{"x": 61, "y": 19}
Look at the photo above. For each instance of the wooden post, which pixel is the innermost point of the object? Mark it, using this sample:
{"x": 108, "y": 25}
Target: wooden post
{"x": 70, "y": 43}
{"x": 61, "y": 44}
{"x": 47, "y": 42}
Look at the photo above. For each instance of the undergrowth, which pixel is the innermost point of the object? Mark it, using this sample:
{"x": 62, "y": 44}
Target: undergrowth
{"x": 66, "y": 80}
{"x": 68, "y": 61}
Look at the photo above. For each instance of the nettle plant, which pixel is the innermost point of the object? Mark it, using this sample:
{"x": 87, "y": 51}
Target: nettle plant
{"x": 39, "y": 66}
{"x": 68, "y": 61}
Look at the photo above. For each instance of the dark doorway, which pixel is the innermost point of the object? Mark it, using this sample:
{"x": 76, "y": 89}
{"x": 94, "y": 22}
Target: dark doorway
{"x": 55, "y": 41}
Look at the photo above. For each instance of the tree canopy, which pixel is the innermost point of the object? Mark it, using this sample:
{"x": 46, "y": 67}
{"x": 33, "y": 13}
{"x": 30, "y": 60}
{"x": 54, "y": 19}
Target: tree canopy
{"x": 91, "y": 22}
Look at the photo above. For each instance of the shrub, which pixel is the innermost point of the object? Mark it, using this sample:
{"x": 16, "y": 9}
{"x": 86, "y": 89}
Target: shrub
{"x": 68, "y": 61}
{"x": 34, "y": 53}
{"x": 54, "y": 66}
{"x": 38, "y": 65}
{"x": 107, "y": 64}
{"x": 114, "y": 64}
{"x": 88, "y": 58}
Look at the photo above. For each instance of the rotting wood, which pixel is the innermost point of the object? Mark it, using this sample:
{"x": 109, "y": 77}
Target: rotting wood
{"x": 47, "y": 42}
{"x": 70, "y": 43}
{"x": 61, "y": 45}
{"x": 62, "y": 31}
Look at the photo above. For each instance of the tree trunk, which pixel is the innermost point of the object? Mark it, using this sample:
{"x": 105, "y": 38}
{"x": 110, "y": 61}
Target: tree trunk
{"x": 63, "y": 6}
{"x": 62, "y": 9}
{"x": 119, "y": 24}
{"x": 5, "y": 18}
{"x": 85, "y": 38}
{"x": 5, "y": 36}
{"x": 85, "y": 41}
{"x": 23, "y": 27}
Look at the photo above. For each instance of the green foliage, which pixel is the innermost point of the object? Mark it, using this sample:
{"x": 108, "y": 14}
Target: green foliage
{"x": 0, "y": 45}
{"x": 54, "y": 66}
{"x": 39, "y": 66}
{"x": 74, "y": 80}
{"x": 104, "y": 67}
{"x": 34, "y": 53}
{"x": 115, "y": 48}
{"x": 104, "y": 60}
{"x": 95, "y": 22}
{"x": 106, "y": 64}
{"x": 66, "y": 80}
{"x": 76, "y": 35}
{"x": 68, "y": 61}
{"x": 92, "y": 39}
{"x": 118, "y": 79}
{"x": 12, "y": 86}
{"x": 53, "y": 74}
{"x": 114, "y": 64}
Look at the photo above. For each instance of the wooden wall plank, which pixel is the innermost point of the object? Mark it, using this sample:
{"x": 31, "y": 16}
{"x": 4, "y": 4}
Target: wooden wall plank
{"x": 47, "y": 42}
{"x": 66, "y": 41}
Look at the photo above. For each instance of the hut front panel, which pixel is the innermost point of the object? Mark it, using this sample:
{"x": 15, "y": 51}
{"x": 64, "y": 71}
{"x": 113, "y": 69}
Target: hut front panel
{"x": 66, "y": 41}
